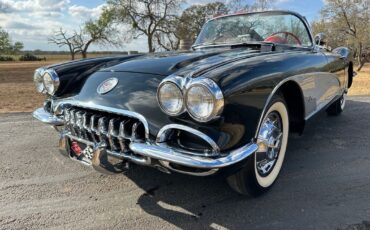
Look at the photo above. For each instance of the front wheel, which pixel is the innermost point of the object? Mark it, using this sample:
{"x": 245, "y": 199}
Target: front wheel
{"x": 263, "y": 167}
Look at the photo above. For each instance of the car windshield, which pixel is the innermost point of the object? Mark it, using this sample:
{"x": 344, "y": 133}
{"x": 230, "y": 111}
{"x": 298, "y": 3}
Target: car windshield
{"x": 278, "y": 28}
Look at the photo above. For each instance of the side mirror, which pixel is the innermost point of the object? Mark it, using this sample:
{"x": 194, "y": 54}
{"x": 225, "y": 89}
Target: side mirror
{"x": 320, "y": 39}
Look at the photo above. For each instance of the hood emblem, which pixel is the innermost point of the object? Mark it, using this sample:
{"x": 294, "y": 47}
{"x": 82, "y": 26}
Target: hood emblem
{"x": 107, "y": 85}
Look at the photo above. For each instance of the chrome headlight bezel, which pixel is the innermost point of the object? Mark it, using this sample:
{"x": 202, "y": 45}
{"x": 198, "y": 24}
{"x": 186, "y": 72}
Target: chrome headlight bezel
{"x": 185, "y": 84}
{"x": 51, "y": 81}
{"x": 178, "y": 86}
{"x": 217, "y": 99}
{"x": 39, "y": 80}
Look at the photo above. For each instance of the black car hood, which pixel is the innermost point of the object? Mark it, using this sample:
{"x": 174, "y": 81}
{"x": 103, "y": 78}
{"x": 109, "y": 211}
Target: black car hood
{"x": 181, "y": 63}
{"x": 138, "y": 79}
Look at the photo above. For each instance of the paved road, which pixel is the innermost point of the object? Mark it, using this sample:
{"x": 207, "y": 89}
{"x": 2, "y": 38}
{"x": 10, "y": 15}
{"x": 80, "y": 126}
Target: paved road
{"x": 325, "y": 184}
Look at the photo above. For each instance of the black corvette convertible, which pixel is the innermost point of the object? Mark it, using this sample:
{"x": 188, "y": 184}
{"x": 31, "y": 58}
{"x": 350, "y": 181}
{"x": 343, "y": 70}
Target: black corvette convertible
{"x": 225, "y": 107}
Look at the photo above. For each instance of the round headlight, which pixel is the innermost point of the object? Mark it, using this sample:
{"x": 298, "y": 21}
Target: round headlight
{"x": 204, "y": 100}
{"x": 37, "y": 79}
{"x": 170, "y": 98}
{"x": 51, "y": 82}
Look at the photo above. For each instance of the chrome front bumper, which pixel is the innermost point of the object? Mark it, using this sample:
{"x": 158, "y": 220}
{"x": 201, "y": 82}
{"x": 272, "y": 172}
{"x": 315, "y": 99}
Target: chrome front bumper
{"x": 160, "y": 152}
{"x": 166, "y": 154}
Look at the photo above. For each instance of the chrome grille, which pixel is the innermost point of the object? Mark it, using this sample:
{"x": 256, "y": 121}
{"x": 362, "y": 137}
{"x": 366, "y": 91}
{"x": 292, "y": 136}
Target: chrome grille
{"x": 116, "y": 131}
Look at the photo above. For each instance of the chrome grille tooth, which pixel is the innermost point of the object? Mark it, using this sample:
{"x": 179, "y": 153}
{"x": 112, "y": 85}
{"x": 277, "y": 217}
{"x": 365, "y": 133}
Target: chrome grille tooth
{"x": 67, "y": 115}
{"x": 93, "y": 131}
{"x": 122, "y": 128}
{"x": 92, "y": 123}
{"x": 121, "y": 136}
{"x": 79, "y": 120}
{"x": 103, "y": 126}
{"x": 72, "y": 117}
{"x": 102, "y": 129}
{"x": 112, "y": 133}
{"x": 72, "y": 122}
{"x": 134, "y": 135}
{"x": 78, "y": 124}
{"x": 85, "y": 123}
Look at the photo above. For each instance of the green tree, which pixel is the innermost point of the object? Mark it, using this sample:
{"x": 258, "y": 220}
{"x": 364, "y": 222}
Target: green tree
{"x": 5, "y": 42}
{"x": 17, "y": 47}
{"x": 6, "y": 45}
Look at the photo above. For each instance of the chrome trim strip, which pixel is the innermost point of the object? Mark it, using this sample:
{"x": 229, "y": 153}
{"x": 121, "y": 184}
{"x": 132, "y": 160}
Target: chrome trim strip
{"x": 297, "y": 79}
{"x": 93, "y": 106}
{"x": 170, "y": 155}
{"x": 45, "y": 117}
{"x": 162, "y": 134}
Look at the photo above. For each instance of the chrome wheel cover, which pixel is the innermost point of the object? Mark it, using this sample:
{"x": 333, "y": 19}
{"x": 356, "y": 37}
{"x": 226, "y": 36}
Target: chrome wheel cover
{"x": 269, "y": 143}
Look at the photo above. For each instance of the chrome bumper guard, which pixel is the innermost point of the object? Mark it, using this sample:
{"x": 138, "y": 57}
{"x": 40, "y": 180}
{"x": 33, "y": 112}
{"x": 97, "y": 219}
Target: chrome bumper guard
{"x": 47, "y": 118}
{"x": 160, "y": 151}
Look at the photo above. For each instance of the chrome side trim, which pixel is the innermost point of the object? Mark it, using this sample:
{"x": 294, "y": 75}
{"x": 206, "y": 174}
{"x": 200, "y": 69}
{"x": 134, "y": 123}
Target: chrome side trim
{"x": 47, "y": 118}
{"x": 163, "y": 133}
{"x": 170, "y": 155}
{"x": 93, "y": 106}
{"x": 301, "y": 81}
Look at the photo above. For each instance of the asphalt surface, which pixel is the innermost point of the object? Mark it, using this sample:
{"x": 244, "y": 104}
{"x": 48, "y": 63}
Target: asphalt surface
{"x": 324, "y": 184}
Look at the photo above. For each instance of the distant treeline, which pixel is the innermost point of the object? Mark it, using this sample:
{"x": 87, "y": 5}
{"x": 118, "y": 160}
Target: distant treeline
{"x": 43, "y": 52}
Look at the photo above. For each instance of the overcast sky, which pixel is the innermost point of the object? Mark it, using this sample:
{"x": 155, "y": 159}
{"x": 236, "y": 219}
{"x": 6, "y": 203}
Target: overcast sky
{"x": 33, "y": 21}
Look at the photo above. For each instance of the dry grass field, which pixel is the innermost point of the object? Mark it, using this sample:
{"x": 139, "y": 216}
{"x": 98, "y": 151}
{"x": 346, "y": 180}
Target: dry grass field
{"x": 17, "y": 93}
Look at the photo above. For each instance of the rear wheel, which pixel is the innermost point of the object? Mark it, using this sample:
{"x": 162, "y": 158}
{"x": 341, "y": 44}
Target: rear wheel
{"x": 337, "y": 107}
{"x": 263, "y": 167}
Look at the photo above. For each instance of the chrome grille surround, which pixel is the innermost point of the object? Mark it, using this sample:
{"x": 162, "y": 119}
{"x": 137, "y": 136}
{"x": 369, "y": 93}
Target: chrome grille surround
{"x": 116, "y": 131}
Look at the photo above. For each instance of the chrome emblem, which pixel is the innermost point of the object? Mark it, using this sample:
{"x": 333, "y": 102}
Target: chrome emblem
{"x": 107, "y": 85}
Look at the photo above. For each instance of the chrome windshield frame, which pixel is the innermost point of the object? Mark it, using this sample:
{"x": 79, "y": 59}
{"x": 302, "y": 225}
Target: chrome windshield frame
{"x": 271, "y": 12}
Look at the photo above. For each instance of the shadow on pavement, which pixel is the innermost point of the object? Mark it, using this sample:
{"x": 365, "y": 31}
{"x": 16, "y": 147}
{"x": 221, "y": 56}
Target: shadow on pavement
{"x": 316, "y": 186}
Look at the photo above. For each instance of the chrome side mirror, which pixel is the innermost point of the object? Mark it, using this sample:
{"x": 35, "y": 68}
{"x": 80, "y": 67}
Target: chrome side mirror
{"x": 320, "y": 39}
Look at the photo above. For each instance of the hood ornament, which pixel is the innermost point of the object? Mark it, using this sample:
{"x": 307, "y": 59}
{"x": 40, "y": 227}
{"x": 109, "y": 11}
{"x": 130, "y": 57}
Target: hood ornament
{"x": 107, "y": 85}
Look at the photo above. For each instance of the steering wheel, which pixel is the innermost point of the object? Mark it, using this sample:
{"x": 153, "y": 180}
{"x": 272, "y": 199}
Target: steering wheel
{"x": 285, "y": 38}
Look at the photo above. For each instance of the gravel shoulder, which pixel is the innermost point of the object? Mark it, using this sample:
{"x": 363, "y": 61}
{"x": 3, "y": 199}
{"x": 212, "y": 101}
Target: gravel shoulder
{"x": 324, "y": 184}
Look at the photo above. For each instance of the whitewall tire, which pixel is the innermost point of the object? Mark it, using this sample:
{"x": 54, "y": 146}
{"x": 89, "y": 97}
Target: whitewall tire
{"x": 263, "y": 167}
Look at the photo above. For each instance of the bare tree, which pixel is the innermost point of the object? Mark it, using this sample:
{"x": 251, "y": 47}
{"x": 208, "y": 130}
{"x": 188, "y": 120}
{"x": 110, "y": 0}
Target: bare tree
{"x": 148, "y": 18}
{"x": 263, "y": 4}
{"x": 193, "y": 18}
{"x": 98, "y": 31}
{"x": 347, "y": 23}
{"x": 61, "y": 39}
